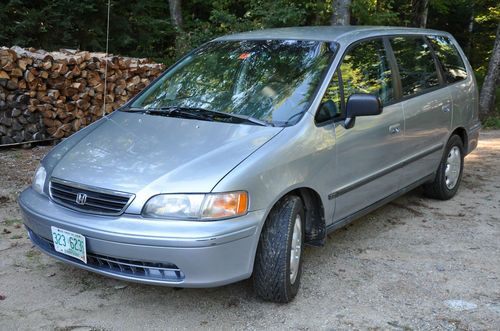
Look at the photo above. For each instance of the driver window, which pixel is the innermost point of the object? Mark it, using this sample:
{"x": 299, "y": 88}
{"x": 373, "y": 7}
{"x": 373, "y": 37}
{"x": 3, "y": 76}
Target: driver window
{"x": 365, "y": 69}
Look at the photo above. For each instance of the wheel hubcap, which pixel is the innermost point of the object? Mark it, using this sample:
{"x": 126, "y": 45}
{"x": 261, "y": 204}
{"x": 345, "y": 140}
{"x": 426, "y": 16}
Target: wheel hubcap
{"x": 453, "y": 164}
{"x": 295, "y": 249}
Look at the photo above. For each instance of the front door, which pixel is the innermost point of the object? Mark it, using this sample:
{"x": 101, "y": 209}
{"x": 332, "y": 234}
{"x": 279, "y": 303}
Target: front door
{"x": 368, "y": 153}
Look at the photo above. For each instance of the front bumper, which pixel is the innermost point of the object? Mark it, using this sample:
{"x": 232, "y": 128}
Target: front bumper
{"x": 163, "y": 252}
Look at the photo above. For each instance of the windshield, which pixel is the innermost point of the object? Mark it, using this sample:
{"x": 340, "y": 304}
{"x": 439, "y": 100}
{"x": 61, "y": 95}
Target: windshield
{"x": 268, "y": 80}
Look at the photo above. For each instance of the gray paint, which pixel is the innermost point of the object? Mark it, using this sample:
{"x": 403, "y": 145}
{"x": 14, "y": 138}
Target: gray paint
{"x": 350, "y": 170}
{"x": 147, "y": 155}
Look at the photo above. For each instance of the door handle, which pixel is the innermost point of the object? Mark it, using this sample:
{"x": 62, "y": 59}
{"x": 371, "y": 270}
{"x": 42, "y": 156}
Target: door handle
{"x": 446, "y": 108}
{"x": 395, "y": 129}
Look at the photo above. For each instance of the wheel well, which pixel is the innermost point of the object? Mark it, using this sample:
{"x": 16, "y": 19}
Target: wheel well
{"x": 315, "y": 226}
{"x": 462, "y": 133}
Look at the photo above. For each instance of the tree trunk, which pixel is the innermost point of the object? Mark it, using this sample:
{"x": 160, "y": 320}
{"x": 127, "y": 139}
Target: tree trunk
{"x": 488, "y": 92}
{"x": 341, "y": 12}
{"x": 420, "y": 9}
{"x": 468, "y": 48}
{"x": 175, "y": 13}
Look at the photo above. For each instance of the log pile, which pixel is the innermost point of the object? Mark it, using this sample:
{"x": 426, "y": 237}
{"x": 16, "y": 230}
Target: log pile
{"x": 47, "y": 95}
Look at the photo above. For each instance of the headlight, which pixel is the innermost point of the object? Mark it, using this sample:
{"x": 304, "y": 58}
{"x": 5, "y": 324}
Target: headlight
{"x": 197, "y": 206}
{"x": 39, "y": 179}
{"x": 174, "y": 205}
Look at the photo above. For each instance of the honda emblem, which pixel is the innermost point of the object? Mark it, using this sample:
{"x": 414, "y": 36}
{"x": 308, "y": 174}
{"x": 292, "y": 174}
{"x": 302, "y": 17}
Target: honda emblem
{"x": 81, "y": 198}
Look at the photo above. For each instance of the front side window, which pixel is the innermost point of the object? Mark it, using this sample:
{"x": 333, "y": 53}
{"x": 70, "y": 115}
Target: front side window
{"x": 415, "y": 63}
{"x": 365, "y": 69}
{"x": 270, "y": 80}
{"x": 452, "y": 64}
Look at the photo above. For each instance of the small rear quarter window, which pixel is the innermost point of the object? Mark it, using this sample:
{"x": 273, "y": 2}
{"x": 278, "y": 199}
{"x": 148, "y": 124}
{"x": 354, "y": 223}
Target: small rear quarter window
{"x": 450, "y": 60}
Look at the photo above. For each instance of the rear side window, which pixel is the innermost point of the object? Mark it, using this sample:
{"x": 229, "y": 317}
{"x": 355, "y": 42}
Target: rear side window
{"x": 452, "y": 64}
{"x": 416, "y": 64}
{"x": 365, "y": 69}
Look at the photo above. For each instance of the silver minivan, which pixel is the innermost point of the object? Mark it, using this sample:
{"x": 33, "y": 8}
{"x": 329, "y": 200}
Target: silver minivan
{"x": 252, "y": 146}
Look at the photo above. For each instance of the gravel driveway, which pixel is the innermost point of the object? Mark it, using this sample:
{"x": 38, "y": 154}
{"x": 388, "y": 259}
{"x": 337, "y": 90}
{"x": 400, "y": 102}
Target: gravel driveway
{"x": 413, "y": 264}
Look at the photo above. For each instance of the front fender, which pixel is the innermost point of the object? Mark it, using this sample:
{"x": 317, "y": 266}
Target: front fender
{"x": 299, "y": 157}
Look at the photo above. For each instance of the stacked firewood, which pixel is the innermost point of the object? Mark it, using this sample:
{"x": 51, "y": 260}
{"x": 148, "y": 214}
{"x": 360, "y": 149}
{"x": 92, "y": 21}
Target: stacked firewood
{"x": 53, "y": 94}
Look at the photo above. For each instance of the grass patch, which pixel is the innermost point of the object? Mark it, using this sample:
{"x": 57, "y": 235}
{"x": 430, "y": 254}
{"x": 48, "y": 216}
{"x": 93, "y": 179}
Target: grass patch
{"x": 34, "y": 260}
{"x": 492, "y": 122}
{"x": 16, "y": 236}
{"x": 87, "y": 283}
{"x": 33, "y": 255}
{"x": 17, "y": 155}
{"x": 12, "y": 221}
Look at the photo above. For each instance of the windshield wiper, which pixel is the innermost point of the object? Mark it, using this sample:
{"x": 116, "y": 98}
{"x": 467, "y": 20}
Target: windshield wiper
{"x": 197, "y": 113}
{"x": 289, "y": 120}
{"x": 176, "y": 111}
{"x": 245, "y": 118}
{"x": 169, "y": 111}
{"x": 134, "y": 110}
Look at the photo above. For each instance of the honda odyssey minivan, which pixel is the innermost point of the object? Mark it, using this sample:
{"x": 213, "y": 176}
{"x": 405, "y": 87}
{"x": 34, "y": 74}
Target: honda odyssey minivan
{"x": 252, "y": 146}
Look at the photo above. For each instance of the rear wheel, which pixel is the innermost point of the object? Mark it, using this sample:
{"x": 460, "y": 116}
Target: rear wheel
{"x": 278, "y": 262}
{"x": 449, "y": 174}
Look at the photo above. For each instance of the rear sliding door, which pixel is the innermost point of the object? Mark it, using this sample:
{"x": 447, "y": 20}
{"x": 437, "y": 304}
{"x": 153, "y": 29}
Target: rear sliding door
{"x": 427, "y": 106}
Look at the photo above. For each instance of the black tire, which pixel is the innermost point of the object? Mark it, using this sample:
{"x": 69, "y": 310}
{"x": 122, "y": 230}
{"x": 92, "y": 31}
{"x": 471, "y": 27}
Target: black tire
{"x": 438, "y": 189}
{"x": 271, "y": 273}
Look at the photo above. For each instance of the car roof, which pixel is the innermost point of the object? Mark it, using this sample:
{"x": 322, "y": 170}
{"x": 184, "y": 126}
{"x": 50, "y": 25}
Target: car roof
{"x": 342, "y": 34}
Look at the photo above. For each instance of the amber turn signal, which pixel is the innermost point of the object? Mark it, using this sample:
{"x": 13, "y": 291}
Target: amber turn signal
{"x": 224, "y": 205}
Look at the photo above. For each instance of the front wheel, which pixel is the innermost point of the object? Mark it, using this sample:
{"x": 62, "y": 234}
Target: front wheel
{"x": 449, "y": 174}
{"x": 278, "y": 262}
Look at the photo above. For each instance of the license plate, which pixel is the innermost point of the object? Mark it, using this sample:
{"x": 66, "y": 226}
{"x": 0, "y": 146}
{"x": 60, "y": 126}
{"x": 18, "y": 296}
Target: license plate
{"x": 69, "y": 243}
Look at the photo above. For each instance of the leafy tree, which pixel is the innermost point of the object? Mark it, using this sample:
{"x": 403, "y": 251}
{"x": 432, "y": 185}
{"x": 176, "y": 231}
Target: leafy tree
{"x": 148, "y": 29}
{"x": 137, "y": 28}
{"x": 488, "y": 95}
{"x": 375, "y": 12}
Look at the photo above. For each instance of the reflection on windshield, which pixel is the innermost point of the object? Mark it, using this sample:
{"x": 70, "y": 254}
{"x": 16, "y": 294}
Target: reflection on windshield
{"x": 271, "y": 80}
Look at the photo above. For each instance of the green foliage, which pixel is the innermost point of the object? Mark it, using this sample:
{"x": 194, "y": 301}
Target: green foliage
{"x": 375, "y": 12}
{"x": 279, "y": 13}
{"x": 492, "y": 122}
{"x": 456, "y": 16}
{"x": 143, "y": 28}
{"x": 137, "y": 28}
{"x": 211, "y": 19}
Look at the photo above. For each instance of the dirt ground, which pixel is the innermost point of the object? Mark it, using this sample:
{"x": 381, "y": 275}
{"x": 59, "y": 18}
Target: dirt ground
{"x": 413, "y": 264}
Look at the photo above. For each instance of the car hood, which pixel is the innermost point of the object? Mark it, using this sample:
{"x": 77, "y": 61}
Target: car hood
{"x": 136, "y": 152}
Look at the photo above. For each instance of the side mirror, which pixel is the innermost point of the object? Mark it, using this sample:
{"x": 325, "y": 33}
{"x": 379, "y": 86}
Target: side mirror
{"x": 327, "y": 110}
{"x": 361, "y": 104}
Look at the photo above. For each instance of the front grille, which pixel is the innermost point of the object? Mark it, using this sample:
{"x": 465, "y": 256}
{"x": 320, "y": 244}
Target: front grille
{"x": 97, "y": 200}
{"x": 141, "y": 269}
{"x": 135, "y": 269}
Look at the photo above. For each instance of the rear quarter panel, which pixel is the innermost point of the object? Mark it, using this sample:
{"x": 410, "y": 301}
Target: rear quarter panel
{"x": 465, "y": 98}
